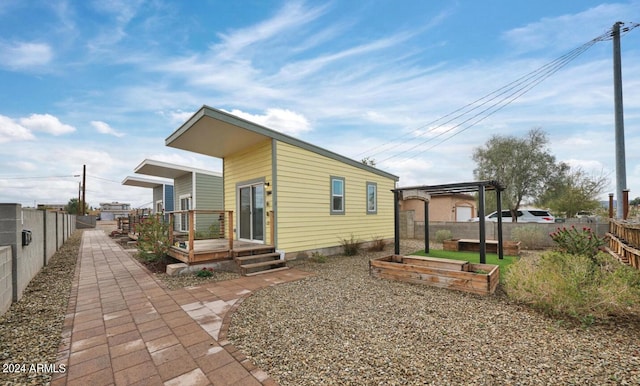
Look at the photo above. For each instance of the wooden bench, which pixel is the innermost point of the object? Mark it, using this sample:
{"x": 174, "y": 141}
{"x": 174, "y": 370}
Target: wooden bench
{"x": 511, "y": 248}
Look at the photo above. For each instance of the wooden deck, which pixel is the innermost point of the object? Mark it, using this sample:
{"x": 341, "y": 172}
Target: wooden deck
{"x": 212, "y": 250}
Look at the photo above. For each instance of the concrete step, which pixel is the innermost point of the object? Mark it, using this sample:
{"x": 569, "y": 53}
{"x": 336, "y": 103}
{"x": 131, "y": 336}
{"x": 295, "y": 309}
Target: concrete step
{"x": 263, "y": 264}
{"x": 266, "y": 271}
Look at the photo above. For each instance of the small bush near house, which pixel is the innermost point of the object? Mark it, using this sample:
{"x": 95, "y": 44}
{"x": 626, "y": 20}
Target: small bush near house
{"x": 351, "y": 247}
{"x": 153, "y": 239}
{"x": 318, "y": 257}
{"x": 575, "y": 285}
{"x": 530, "y": 237}
{"x": 442, "y": 235}
{"x": 377, "y": 245}
{"x": 205, "y": 272}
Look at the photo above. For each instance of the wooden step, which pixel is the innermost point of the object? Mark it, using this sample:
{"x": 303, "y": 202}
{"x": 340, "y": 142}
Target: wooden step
{"x": 262, "y": 264}
{"x": 255, "y": 257}
{"x": 267, "y": 271}
{"x": 252, "y": 250}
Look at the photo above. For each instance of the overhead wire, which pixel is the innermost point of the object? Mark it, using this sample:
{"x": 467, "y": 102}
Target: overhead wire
{"x": 505, "y": 95}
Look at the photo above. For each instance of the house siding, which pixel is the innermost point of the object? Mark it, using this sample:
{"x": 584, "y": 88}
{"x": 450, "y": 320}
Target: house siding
{"x": 303, "y": 208}
{"x": 157, "y": 196}
{"x": 251, "y": 164}
{"x": 209, "y": 196}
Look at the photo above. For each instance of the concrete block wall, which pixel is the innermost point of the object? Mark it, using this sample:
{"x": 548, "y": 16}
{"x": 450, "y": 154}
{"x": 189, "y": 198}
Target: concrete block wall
{"x": 51, "y": 245}
{"x": 31, "y": 257}
{"x": 49, "y": 230}
{"x": 6, "y": 288}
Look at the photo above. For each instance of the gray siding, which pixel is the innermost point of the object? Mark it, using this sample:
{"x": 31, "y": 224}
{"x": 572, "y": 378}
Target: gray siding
{"x": 157, "y": 195}
{"x": 208, "y": 196}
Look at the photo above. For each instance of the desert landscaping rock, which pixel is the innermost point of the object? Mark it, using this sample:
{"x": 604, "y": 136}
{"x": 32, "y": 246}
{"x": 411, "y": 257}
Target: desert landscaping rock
{"x": 344, "y": 327}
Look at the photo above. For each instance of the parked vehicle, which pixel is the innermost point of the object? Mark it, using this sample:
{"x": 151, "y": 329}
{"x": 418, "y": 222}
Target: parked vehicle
{"x": 524, "y": 215}
{"x": 586, "y": 215}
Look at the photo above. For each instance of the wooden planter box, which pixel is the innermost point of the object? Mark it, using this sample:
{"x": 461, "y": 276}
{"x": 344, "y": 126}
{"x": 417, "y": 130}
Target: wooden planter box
{"x": 510, "y": 248}
{"x": 480, "y": 279}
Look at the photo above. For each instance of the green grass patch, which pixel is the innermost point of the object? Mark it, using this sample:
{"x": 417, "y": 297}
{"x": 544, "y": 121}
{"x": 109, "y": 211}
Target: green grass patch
{"x": 472, "y": 257}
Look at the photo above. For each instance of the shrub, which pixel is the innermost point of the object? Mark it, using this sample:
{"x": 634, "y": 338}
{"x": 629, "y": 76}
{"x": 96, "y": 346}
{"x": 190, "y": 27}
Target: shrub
{"x": 205, "y": 272}
{"x": 577, "y": 241}
{"x": 318, "y": 257}
{"x": 529, "y": 236}
{"x": 442, "y": 235}
{"x": 351, "y": 246}
{"x": 575, "y": 285}
{"x": 377, "y": 244}
{"x": 153, "y": 238}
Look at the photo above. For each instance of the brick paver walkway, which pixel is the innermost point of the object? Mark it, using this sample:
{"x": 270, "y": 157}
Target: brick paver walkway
{"x": 124, "y": 328}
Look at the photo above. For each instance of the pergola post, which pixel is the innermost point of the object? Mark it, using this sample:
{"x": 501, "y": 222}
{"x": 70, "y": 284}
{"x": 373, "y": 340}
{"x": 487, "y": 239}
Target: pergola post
{"x": 482, "y": 222}
{"x": 426, "y": 226}
{"x": 396, "y": 225}
{"x": 499, "y": 208}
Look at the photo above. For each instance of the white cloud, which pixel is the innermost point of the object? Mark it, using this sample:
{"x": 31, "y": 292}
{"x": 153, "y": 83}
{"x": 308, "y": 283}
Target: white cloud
{"x": 285, "y": 121}
{"x": 104, "y": 128}
{"x": 46, "y": 123}
{"x": 21, "y": 55}
{"x": 12, "y": 131}
{"x": 544, "y": 34}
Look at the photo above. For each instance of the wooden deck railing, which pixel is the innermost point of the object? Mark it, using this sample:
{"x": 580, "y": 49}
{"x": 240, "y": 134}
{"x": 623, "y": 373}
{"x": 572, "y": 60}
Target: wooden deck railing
{"x": 624, "y": 242}
{"x": 213, "y": 224}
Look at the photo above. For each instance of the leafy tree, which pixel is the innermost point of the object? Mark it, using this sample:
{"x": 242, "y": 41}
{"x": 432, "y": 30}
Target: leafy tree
{"x": 635, "y": 201}
{"x": 73, "y": 207}
{"x": 369, "y": 161}
{"x": 575, "y": 191}
{"x": 523, "y": 166}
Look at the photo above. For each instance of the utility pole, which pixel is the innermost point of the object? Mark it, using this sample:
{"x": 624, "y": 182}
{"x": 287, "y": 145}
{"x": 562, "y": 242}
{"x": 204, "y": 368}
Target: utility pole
{"x": 621, "y": 173}
{"x": 84, "y": 187}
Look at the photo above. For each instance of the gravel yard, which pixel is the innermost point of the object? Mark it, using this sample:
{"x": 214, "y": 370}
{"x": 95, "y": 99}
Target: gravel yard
{"x": 344, "y": 327}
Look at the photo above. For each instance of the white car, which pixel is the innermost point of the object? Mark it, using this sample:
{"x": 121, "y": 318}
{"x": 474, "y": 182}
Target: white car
{"x": 524, "y": 215}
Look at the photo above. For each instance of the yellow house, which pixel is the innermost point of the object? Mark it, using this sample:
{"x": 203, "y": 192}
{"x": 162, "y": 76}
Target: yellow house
{"x": 289, "y": 193}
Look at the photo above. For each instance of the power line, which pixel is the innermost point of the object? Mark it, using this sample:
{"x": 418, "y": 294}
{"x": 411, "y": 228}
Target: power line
{"x": 495, "y": 100}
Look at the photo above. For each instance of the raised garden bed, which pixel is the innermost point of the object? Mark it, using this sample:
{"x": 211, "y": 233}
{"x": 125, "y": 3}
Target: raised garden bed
{"x": 510, "y": 248}
{"x": 460, "y": 275}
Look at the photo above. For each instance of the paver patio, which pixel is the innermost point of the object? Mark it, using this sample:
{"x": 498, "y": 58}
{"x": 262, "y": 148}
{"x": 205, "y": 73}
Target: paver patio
{"x": 123, "y": 327}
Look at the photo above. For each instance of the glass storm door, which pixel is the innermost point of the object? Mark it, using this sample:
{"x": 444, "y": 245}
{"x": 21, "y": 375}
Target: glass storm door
{"x": 251, "y": 219}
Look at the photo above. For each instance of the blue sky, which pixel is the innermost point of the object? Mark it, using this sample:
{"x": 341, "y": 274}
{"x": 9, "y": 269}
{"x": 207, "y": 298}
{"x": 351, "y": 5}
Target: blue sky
{"x": 103, "y": 83}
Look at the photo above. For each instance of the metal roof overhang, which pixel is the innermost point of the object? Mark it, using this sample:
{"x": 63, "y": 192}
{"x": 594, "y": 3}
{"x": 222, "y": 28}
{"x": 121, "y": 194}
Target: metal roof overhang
{"x": 143, "y": 182}
{"x": 167, "y": 170}
{"x": 217, "y": 134}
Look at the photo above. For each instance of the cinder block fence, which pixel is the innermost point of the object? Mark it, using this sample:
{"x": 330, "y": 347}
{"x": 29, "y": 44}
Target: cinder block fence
{"x": 28, "y": 240}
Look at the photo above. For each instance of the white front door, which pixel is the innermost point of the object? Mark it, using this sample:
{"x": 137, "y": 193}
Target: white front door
{"x": 251, "y": 215}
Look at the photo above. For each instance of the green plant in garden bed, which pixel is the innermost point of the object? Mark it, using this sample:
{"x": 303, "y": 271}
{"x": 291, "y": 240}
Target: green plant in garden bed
{"x": 472, "y": 257}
